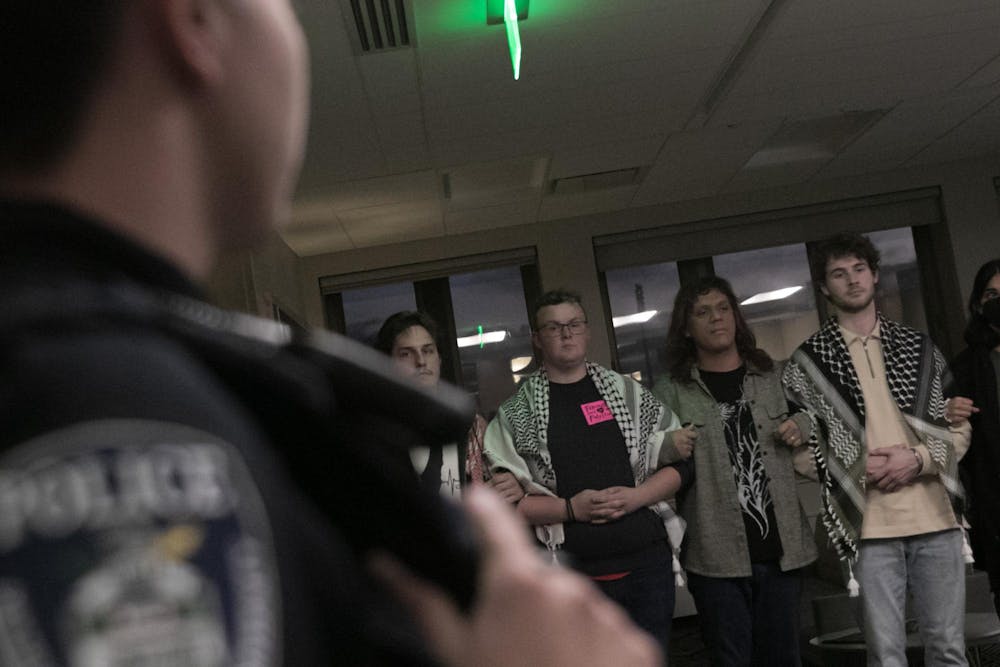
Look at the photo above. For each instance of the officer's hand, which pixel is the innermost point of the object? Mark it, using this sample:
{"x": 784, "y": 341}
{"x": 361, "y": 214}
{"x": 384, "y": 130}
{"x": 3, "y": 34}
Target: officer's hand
{"x": 789, "y": 433}
{"x": 526, "y": 613}
{"x": 684, "y": 440}
{"x": 891, "y": 468}
{"x": 507, "y": 486}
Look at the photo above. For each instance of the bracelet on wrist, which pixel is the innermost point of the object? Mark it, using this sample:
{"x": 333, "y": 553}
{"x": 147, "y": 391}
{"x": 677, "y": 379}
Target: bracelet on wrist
{"x": 570, "y": 516}
{"x": 919, "y": 458}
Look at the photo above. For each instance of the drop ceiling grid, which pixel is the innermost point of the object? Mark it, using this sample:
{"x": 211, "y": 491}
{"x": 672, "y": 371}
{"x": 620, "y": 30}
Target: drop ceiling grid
{"x": 821, "y": 98}
{"x": 956, "y": 56}
{"x": 699, "y": 163}
{"x": 804, "y": 17}
{"x": 906, "y": 130}
{"x": 979, "y": 135}
{"x": 603, "y": 157}
{"x": 408, "y": 221}
{"x": 606, "y": 86}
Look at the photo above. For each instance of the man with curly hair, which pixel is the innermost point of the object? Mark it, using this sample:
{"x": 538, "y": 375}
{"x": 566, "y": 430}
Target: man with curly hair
{"x": 886, "y": 455}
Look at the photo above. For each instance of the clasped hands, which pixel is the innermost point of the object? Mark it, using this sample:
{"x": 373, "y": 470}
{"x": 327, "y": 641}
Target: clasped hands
{"x": 605, "y": 505}
{"x": 893, "y": 467}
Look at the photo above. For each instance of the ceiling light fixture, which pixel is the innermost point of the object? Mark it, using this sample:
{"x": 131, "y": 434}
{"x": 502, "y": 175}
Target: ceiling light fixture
{"x": 774, "y": 295}
{"x": 509, "y": 12}
{"x": 635, "y": 318}
{"x": 482, "y": 339}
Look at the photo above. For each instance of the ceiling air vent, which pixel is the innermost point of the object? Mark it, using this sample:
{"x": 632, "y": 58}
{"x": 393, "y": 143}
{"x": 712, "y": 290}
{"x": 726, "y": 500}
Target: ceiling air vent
{"x": 379, "y": 24}
{"x": 599, "y": 181}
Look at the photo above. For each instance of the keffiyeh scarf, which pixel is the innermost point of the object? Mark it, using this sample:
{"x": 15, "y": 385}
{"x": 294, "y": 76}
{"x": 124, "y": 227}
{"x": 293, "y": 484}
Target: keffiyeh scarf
{"x": 821, "y": 377}
{"x": 518, "y": 441}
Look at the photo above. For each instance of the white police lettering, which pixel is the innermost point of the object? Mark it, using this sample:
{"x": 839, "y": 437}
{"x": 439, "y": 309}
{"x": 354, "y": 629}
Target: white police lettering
{"x": 130, "y": 542}
{"x": 107, "y": 489}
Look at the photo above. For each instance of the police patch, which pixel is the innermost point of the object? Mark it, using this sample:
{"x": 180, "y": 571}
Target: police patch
{"x": 139, "y": 543}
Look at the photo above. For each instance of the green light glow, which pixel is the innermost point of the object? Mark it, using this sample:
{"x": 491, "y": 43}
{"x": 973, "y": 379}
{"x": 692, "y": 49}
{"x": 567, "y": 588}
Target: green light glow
{"x": 513, "y": 36}
{"x": 482, "y": 343}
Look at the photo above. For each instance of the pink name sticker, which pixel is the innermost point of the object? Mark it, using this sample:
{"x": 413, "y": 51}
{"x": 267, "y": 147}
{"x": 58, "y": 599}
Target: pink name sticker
{"x": 596, "y": 412}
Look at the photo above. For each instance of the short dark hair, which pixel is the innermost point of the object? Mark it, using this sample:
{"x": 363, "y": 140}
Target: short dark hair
{"x": 978, "y": 331}
{"x": 554, "y": 298}
{"x": 53, "y": 54}
{"x": 681, "y": 352}
{"x": 842, "y": 245}
{"x": 399, "y": 322}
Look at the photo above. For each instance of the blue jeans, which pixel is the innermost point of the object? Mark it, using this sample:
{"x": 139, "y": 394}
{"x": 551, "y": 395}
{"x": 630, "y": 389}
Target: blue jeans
{"x": 929, "y": 566}
{"x": 647, "y": 594}
{"x": 750, "y": 620}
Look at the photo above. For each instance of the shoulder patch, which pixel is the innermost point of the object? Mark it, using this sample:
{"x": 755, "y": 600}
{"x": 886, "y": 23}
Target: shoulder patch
{"x": 126, "y": 542}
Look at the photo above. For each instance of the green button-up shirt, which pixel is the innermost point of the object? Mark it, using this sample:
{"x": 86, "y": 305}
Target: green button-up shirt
{"x": 715, "y": 544}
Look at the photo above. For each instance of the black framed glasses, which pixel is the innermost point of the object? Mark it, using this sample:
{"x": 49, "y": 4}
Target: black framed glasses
{"x": 555, "y": 329}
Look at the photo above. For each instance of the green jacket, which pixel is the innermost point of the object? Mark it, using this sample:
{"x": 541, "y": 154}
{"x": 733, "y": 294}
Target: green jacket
{"x": 715, "y": 543}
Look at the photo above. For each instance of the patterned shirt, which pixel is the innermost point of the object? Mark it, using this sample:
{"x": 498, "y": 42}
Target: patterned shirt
{"x": 745, "y": 456}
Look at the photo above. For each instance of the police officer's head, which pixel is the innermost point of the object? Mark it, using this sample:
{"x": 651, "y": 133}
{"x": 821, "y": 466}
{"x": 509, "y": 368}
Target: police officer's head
{"x": 213, "y": 93}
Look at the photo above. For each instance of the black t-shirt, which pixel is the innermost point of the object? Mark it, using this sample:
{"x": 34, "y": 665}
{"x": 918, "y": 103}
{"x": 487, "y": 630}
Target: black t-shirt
{"x": 747, "y": 463}
{"x": 588, "y": 452}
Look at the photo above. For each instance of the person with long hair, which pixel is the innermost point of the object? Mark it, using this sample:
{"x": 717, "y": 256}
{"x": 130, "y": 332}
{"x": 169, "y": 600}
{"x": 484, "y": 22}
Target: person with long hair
{"x": 975, "y": 371}
{"x": 747, "y": 535}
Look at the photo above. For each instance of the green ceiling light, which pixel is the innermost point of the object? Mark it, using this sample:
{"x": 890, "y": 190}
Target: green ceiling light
{"x": 509, "y": 12}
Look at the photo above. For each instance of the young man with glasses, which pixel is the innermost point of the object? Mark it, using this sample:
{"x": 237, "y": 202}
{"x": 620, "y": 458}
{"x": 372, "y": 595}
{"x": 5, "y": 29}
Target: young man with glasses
{"x": 587, "y": 444}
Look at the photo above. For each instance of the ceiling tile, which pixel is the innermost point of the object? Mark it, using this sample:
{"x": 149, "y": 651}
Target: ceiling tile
{"x": 603, "y": 157}
{"x": 490, "y": 217}
{"x": 819, "y": 16}
{"x": 389, "y": 74}
{"x": 978, "y": 135}
{"x": 372, "y": 192}
{"x": 905, "y": 131}
{"x": 401, "y": 130}
{"x": 987, "y": 75}
{"x": 317, "y": 239}
{"x": 699, "y": 163}
{"x": 473, "y": 186}
{"x": 394, "y": 223}
{"x": 565, "y": 206}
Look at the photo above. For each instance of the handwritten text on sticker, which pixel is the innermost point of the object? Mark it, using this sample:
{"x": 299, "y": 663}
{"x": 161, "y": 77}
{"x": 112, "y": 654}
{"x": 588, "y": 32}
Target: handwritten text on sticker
{"x": 596, "y": 412}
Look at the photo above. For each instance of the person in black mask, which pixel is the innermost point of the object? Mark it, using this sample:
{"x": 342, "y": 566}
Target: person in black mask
{"x": 976, "y": 371}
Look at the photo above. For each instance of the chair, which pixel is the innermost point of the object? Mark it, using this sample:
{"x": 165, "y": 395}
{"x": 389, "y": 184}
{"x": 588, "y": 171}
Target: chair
{"x": 837, "y": 615}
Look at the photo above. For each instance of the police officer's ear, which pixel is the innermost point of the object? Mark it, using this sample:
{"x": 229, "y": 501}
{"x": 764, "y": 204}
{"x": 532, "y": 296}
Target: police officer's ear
{"x": 195, "y": 35}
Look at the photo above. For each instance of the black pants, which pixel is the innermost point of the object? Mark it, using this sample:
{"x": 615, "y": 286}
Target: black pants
{"x": 750, "y": 620}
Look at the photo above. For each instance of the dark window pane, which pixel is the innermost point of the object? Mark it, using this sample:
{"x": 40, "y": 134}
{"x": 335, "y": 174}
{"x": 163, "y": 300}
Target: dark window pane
{"x": 641, "y": 299}
{"x": 899, "y": 295}
{"x": 775, "y": 295}
{"x": 494, "y": 338}
{"x": 366, "y": 308}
